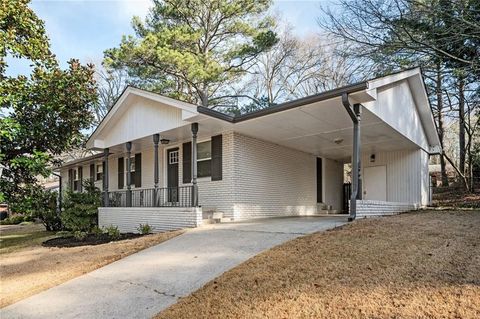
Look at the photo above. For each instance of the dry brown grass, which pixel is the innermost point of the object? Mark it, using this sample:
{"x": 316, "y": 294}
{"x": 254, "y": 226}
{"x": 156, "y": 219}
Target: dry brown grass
{"x": 417, "y": 265}
{"x": 33, "y": 269}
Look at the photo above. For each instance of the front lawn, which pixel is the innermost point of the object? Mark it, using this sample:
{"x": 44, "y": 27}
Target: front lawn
{"x": 415, "y": 265}
{"x": 27, "y": 268}
{"x": 15, "y": 237}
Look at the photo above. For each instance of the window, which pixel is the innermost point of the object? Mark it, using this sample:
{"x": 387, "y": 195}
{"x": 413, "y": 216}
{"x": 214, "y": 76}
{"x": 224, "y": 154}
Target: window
{"x": 204, "y": 159}
{"x": 75, "y": 179}
{"x": 173, "y": 157}
{"x": 132, "y": 170}
{"x": 99, "y": 171}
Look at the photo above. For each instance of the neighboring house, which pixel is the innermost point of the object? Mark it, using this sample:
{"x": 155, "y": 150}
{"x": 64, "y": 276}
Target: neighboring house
{"x": 281, "y": 161}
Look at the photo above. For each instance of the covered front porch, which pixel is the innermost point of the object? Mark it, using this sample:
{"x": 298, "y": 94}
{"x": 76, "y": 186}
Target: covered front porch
{"x": 130, "y": 193}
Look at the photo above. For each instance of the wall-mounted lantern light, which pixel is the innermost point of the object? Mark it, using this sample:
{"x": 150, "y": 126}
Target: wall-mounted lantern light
{"x": 164, "y": 141}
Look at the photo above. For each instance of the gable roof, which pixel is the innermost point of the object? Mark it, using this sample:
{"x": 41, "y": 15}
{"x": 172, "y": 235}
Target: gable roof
{"x": 129, "y": 91}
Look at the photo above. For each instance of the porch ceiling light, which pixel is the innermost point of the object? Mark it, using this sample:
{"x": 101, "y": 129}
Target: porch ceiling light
{"x": 338, "y": 140}
{"x": 164, "y": 141}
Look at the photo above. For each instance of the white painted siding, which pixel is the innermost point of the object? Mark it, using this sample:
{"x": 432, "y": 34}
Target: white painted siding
{"x": 272, "y": 180}
{"x": 332, "y": 183}
{"x": 405, "y": 174}
{"x": 395, "y": 105}
{"x": 142, "y": 118}
{"x": 160, "y": 218}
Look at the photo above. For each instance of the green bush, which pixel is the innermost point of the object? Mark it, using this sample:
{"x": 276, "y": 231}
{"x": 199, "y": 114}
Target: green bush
{"x": 80, "y": 209}
{"x": 97, "y": 231}
{"x": 144, "y": 229}
{"x": 13, "y": 220}
{"x": 46, "y": 210}
{"x": 64, "y": 234}
{"x": 112, "y": 232}
{"x": 80, "y": 235}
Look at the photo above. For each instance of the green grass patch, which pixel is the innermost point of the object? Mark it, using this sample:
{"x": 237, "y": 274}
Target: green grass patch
{"x": 23, "y": 236}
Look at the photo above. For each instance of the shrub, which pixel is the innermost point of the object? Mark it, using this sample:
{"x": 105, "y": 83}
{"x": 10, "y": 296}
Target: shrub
{"x": 46, "y": 210}
{"x": 97, "y": 231}
{"x": 80, "y": 235}
{"x": 13, "y": 220}
{"x": 112, "y": 232}
{"x": 144, "y": 229}
{"x": 63, "y": 234}
{"x": 80, "y": 209}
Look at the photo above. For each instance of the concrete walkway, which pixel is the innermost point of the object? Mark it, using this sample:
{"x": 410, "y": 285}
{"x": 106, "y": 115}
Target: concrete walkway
{"x": 145, "y": 283}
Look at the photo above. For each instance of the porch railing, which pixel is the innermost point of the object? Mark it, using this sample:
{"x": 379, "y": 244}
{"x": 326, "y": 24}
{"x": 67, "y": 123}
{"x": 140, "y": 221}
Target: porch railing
{"x": 161, "y": 197}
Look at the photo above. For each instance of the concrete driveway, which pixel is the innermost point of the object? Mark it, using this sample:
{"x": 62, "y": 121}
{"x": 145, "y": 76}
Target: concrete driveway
{"x": 145, "y": 283}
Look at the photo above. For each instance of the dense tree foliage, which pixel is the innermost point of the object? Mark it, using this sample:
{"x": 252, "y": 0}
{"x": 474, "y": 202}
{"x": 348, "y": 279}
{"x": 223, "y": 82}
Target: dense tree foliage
{"x": 41, "y": 115}
{"x": 192, "y": 49}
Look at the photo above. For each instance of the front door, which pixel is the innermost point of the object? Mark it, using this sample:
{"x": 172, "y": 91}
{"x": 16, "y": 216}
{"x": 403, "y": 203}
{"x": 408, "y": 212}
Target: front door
{"x": 172, "y": 174}
{"x": 375, "y": 183}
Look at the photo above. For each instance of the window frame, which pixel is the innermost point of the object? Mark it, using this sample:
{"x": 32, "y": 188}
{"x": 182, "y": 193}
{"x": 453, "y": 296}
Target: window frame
{"x": 132, "y": 171}
{"x": 209, "y": 159}
{"x": 75, "y": 178}
{"x": 98, "y": 172}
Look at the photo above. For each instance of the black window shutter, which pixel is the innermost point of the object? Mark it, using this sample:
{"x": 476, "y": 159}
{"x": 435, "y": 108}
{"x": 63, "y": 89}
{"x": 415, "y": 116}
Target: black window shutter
{"x": 80, "y": 178}
{"x": 187, "y": 162}
{"x": 138, "y": 170}
{"x": 70, "y": 179}
{"x": 121, "y": 174}
{"x": 92, "y": 172}
{"x": 217, "y": 147}
{"x": 103, "y": 172}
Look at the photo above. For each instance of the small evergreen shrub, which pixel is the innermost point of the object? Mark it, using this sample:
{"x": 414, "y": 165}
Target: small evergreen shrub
{"x": 80, "y": 209}
{"x": 97, "y": 231}
{"x": 144, "y": 229}
{"x": 64, "y": 234}
{"x": 80, "y": 235}
{"x": 112, "y": 232}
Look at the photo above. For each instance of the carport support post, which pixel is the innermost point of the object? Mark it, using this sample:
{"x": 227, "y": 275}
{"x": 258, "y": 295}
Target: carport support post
{"x": 355, "y": 114}
{"x": 106, "y": 203}
{"x": 356, "y": 186}
{"x": 156, "y": 138}
{"x": 128, "y": 145}
{"x": 194, "y": 165}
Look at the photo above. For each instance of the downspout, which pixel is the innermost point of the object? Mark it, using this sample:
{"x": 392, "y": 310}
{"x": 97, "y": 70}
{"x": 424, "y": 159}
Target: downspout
{"x": 355, "y": 114}
{"x": 59, "y": 208}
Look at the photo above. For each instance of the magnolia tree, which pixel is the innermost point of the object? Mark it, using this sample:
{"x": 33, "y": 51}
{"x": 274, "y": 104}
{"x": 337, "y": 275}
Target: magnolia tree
{"x": 42, "y": 114}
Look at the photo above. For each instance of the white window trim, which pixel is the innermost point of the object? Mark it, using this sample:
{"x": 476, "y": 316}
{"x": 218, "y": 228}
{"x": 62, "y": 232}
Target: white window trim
{"x": 132, "y": 182}
{"x": 97, "y": 172}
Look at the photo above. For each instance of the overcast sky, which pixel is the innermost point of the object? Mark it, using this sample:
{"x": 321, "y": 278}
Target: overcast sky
{"x": 84, "y": 29}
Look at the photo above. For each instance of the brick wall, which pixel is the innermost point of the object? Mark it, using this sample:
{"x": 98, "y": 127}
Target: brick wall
{"x": 127, "y": 219}
{"x": 373, "y": 208}
{"x": 272, "y": 180}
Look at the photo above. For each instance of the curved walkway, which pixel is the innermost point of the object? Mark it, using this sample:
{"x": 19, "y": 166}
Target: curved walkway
{"x": 145, "y": 283}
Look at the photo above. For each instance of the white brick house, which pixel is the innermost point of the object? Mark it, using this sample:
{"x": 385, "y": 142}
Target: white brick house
{"x": 281, "y": 161}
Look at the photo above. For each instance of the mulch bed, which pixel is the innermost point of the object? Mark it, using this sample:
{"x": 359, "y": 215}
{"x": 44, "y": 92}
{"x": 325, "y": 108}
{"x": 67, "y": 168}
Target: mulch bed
{"x": 90, "y": 240}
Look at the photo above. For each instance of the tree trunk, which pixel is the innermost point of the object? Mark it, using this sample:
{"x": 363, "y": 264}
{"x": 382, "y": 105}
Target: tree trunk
{"x": 461, "y": 123}
{"x": 438, "y": 90}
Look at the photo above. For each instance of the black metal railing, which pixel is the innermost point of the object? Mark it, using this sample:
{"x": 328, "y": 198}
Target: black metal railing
{"x": 181, "y": 196}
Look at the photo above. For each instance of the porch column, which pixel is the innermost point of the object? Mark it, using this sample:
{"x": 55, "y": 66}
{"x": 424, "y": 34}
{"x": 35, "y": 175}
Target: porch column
{"x": 194, "y": 165}
{"x": 128, "y": 145}
{"x": 106, "y": 203}
{"x": 156, "y": 139}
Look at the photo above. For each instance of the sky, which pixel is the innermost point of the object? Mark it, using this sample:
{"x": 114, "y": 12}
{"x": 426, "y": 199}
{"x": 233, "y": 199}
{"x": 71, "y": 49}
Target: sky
{"x": 83, "y": 29}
